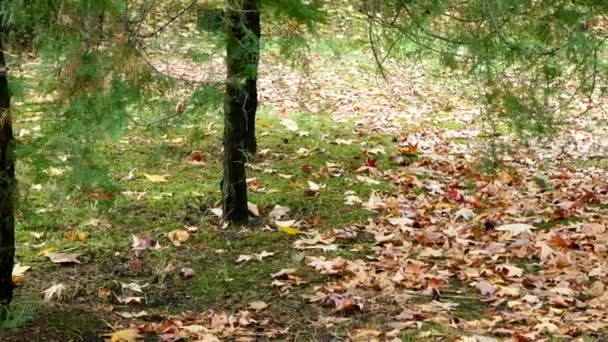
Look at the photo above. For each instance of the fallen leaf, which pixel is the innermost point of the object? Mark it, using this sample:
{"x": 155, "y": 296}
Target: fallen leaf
{"x": 76, "y": 235}
{"x": 289, "y": 230}
{"x": 124, "y": 314}
{"x": 133, "y": 287}
{"x": 37, "y": 235}
{"x": 63, "y": 258}
{"x": 290, "y": 125}
{"x": 278, "y": 212}
{"x": 156, "y": 178}
{"x": 178, "y": 236}
{"x": 53, "y": 291}
{"x": 253, "y": 209}
{"x": 19, "y": 273}
{"x": 510, "y": 270}
{"x": 257, "y": 306}
{"x": 187, "y": 272}
{"x": 485, "y": 288}
{"x": 126, "y": 335}
{"x": 244, "y": 258}
{"x": 217, "y": 212}
{"x": 516, "y": 228}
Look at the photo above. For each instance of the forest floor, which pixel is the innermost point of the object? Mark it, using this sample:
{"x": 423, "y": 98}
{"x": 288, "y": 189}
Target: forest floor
{"x": 374, "y": 217}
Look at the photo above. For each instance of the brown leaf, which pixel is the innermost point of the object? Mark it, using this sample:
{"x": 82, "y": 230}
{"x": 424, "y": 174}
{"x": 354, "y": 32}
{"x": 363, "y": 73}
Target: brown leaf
{"x": 485, "y": 288}
{"x": 257, "y": 306}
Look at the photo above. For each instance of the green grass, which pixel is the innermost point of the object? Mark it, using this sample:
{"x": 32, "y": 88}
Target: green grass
{"x": 450, "y": 125}
{"x": 184, "y": 201}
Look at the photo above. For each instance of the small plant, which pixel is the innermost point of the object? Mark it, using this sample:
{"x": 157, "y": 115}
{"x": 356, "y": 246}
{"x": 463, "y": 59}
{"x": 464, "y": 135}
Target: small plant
{"x": 17, "y": 314}
{"x": 542, "y": 182}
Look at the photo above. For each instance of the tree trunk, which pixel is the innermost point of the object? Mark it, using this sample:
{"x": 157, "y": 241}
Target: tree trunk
{"x": 7, "y": 189}
{"x": 253, "y": 33}
{"x": 240, "y": 104}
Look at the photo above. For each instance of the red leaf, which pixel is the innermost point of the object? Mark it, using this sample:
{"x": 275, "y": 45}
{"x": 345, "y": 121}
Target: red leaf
{"x": 196, "y": 156}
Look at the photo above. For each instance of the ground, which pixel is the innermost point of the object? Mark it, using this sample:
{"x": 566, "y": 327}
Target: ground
{"x": 401, "y": 229}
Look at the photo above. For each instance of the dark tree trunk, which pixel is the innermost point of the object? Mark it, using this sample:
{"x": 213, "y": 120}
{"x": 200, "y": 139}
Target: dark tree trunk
{"x": 251, "y": 21}
{"x": 7, "y": 189}
{"x": 240, "y": 104}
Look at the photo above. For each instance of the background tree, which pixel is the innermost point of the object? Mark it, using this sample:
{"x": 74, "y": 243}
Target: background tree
{"x": 531, "y": 62}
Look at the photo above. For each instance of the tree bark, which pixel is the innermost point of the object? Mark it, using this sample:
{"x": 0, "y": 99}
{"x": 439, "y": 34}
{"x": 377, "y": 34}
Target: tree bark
{"x": 7, "y": 188}
{"x": 253, "y": 31}
{"x": 240, "y": 104}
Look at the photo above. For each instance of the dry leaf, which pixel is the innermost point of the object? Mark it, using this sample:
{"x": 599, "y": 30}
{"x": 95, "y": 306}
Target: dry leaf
{"x": 133, "y": 287}
{"x": 187, "y": 272}
{"x": 53, "y": 291}
{"x": 19, "y": 273}
{"x": 278, "y": 212}
{"x": 61, "y": 258}
{"x": 516, "y": 228}
{"x": 126, "y": 335}
{"x": 124, "y": 314}
{"x": 253, "y": 209}
{"x": 485, "y": 288}
{"x": 178, "y": 236}
{"x": 257, "y": 306}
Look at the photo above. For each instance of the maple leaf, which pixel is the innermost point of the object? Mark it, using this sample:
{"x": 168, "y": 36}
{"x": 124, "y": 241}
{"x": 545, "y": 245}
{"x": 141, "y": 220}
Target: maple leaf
{"x": 126, "y": 335}
{"x": 54, "y": 291}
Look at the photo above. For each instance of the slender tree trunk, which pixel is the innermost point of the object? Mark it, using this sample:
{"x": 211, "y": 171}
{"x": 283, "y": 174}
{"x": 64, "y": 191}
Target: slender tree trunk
{"x": 240, "y": 104}
{"x": 7, "y": 188}
{"x": 251, "y": 20}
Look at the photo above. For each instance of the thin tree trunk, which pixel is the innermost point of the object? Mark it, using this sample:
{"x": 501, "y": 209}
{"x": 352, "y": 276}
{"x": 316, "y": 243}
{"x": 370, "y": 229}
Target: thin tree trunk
{"x": 7, "y": 189}
{"x": 251, "y": 21}
{"x": 240, "y": 104}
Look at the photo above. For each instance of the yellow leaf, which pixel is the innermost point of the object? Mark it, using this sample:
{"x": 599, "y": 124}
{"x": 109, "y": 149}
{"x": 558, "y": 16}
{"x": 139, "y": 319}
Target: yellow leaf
{"x": 76, "y": 235}
{"x": 156, "y": 178}
{"x": 289, "y": 230}
{"x": 265, "y": 123}
{"x": 178, "y": 236}
{"x": 46, "y": 250}
{"x": 126, "y": 335}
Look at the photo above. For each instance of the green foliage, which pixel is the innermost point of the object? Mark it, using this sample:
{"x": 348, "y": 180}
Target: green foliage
{"x": 524, "y": 55}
